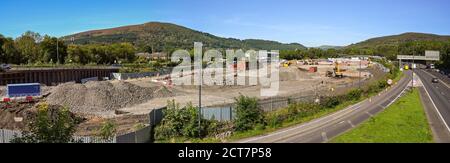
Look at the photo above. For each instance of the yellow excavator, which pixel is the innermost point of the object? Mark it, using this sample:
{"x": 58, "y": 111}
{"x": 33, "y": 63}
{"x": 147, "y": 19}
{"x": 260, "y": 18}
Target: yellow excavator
{"x": 337, "y": 71}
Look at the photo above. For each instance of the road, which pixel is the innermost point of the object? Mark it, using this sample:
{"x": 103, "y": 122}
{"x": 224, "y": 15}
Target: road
{"x": 324, "y": 129}
{"x": 439, "y": 102}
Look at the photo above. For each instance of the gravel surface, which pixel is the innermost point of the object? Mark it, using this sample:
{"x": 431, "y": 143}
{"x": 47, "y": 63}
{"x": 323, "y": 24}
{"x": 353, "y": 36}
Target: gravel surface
{"x": 97, "y": 97}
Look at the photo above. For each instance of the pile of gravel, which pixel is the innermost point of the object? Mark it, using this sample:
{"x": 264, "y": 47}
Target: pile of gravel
{"x": 2, "y": 91}
{"x": 95, "y": 97}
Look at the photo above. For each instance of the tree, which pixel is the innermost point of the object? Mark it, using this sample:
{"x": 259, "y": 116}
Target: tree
{"x": 11, "y": 55}
{"x": 248, "y": 114}
{"x": 51, "y": 125}
{"x": 27, "y": 47}
{"x": 2, "y": 52}
{"x": 78, "y": 54}
{"x": 51, "y": 51}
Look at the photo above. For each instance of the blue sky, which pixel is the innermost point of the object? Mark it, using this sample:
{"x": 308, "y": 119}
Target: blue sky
{"x": 310, "y": 22}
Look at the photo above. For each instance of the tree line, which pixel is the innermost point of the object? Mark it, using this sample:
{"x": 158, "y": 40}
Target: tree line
{"x": 33, "y": 48}
{"x": 388, "y": 51}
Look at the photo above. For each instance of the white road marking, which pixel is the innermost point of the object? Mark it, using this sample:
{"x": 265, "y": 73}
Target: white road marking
{"x": 371, "y": 115}
{"x": 349, "y": 109}
{"x": 351, "y": 124}
{"x": 438, "y": 78}
{"x": 324, "y": 136}
{"x": 334, "y": 116}
{"x": 437, "y": 110}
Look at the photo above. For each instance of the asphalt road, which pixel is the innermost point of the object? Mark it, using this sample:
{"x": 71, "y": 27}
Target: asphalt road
{"x": 324, "y": 129}
{"x": 440, "y": 96}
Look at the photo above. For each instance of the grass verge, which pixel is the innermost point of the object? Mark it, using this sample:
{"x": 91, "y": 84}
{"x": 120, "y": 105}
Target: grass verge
{"x": 403, "y": 122}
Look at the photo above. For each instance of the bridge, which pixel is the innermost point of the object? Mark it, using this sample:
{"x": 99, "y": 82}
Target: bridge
{"x": 430, "y": 56}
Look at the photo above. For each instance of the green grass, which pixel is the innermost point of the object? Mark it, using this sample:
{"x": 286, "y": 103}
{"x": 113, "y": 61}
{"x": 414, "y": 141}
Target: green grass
{"x": 287, "y": 124}
{"x": 403, "y": 122}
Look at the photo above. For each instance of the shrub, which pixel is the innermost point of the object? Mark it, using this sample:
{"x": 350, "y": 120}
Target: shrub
{"x": 52, "y": 124}
{"x": 354, "y": 94}
{"x": 108, "y": 130}
{"x": 178, "y": 122}
{"x": 331, "y": 102}
{"x": 248, "y": 114}
{"x": 275, "y": 121}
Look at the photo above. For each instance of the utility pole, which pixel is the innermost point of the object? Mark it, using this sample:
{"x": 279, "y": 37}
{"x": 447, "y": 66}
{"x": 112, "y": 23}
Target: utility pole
{"x": 200, "y": 99}
{"x": 360, "y": 69}
{"x": 198, "y": 52}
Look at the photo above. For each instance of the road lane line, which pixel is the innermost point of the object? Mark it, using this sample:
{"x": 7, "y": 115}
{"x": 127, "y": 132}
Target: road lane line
{"x": 442, "y": 81}
{"x": 321, "y": 121}
{"x": 369, "y": 114}
{"x": 351, "y": 124}
{"x": 324, "y": 136}
{"x": 435, "y": 107}
{"x": 308, "y": 125}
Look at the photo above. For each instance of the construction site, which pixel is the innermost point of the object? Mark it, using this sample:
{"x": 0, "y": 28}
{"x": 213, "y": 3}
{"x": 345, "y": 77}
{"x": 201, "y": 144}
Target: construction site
{"x": 128, "y": 102}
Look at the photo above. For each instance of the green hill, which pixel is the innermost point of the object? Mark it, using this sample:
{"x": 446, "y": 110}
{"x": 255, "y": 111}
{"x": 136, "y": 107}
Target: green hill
{"x": 165, "y": 37}
{"x": 399, "y": 39}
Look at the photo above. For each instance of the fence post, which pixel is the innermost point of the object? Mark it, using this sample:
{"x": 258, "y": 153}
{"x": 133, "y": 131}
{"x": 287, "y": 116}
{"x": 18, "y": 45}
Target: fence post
{"x": 221, "y": 115}
{"x": 231, "y": 113}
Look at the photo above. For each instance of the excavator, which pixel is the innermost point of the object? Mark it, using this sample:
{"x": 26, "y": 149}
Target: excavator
{"x": 337, "y": 71}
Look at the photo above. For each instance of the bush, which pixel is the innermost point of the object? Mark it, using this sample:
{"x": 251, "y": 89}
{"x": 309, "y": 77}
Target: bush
{"x": 275, "y": 121}
{"x": 52, "y": 124}
{"x": 248, "y": 113}
{"x": 108, "y": 130}
{"x": 354, "y": 94}
{"x": 331, "y": 102}
{"x": 178, "y": 122}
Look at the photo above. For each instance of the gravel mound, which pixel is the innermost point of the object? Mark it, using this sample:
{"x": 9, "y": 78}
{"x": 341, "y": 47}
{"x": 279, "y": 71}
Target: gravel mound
{"x": 95, "y": 97}
{"x": 293, "y": 74}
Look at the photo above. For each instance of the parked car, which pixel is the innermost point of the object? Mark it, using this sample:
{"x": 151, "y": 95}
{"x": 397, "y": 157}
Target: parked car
{"x": 5, "y": 67}
{"x": 435, "y": 80}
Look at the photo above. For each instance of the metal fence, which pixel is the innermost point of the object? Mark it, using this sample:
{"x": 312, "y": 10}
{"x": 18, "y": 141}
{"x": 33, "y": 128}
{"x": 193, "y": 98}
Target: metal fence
{"x": 6, "y": 136}
{"x": 141, "y": 136}
{"x": 222, "y": 114}
{"x": 127, "y": 76}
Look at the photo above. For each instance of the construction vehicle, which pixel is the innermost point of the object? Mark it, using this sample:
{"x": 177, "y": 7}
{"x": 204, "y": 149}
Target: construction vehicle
{"x": 406, "y": 67}
{"x": 338, "y": 72}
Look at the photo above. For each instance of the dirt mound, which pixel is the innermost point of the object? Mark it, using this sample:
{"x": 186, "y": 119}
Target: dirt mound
{"x": 294, "y": 74}
{"x": 15, "y": 110}
{"x": 95, "y": 97}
